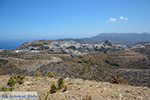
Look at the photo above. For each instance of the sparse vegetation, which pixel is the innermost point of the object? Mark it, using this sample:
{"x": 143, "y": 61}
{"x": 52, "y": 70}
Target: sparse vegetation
{"x": 10, "y": 88}
{"x": 70, "y": 79}
{"x": 22, "y": 77}
{"x": 3, "y": 89}
{"x": 53, "y": 72}
{"x": 12, "y": 81}
{"x": 87, "y": 98}
{"x": 37, "y": 74}
{"x": 65, "y": 88}
{"x": 53, "y": 88}
{"x": 45, "y": 78}
{"x": 46, "y": 96}
{"x": 15, "y": 79}
{"x": 80, "y": 57}
{"x": 98, "y": 58}
{"x": 50, "y": 74}
{"x": 115, "y": 78}
{"x": 2, "y": 61}
{"x": 20, "y": 81}
{"x": 88, "y": 68}
{"x": 60, "y": 82}
{"x": 5, "y": 52}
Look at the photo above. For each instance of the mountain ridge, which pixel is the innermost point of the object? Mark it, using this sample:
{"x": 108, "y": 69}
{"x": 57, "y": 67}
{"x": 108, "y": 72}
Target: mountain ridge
{"x": 123, "y": 38}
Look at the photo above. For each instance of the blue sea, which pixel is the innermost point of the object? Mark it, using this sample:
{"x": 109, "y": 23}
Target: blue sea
{"x": 11, "y": 44}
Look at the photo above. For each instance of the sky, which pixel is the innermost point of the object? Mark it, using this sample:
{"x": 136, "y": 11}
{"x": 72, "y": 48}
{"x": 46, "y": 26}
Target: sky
{"x": 54, "y": 19}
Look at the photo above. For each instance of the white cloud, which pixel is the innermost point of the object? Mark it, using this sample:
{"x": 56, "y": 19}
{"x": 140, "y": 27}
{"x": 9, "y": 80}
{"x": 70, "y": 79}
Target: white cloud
{"x": 112, "y": 20}
{"x": 123, "y": 18}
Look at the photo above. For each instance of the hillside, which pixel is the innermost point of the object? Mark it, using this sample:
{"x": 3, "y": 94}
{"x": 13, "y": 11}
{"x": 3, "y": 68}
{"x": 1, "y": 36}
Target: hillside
{"x": 79, "y": 89}
{"x": 105, "y": 70}
{"x": 94, "y": 66}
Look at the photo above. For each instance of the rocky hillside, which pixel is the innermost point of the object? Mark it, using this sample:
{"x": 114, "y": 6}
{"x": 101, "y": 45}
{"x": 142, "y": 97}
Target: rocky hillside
{"x": 94, "y": 66}
{"x": 34, "y": 43}
{"x": 79, "y": 89}
{"x": 129, "y": 59}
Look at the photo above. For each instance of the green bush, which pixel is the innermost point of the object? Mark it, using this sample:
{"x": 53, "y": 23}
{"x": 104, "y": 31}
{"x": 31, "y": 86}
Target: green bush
{"x": 37, "y": 74}
{"x": 45, "y": 78}
{"x": 18, "y": 76}
{"x": 22, "y": 77}
{"x": 15, "y": 79}
{"x": 53, "y": 88}
{"x": 11, "y": 77}
{"x": 53, "y": 72}
{"x": 20, "y": 81}
{"x": 50, "y": 74}
{"x": 6, "y": 89}
{"x": 3, "y": 89}
{"x": 11, "y": 82}
{"x": 60, "y": 82}
{"x": 10, "y": 88}
{"x": 15, "y": 76}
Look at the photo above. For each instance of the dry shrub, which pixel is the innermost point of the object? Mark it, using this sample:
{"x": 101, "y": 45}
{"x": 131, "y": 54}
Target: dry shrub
{"x": 65, "y": 88}
{"x": 37, "y": 74}
{"x": 50, "y": 74}
{"x": 116, "y": 78}
{"x": 53, "y": 88}
{"x": 88, "y": 98}
{"x": 60, "y": 82}
{"x": 45, "y": 78}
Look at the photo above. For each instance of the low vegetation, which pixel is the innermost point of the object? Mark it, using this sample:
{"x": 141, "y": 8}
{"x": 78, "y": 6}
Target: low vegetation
{"x": 92, "y": 59}
{"x": 115, "y": 78}
{"x": 6, "y": 88}
{"x": 53, "y": 88}
{"x": 87, "y": 98}
{"x": 50, "y": 74}
{"x": 2, "y": 61}
{"x": 15, "y": 79}
{"x": 60, "y": 85}
{"x": 5, "y": 52}
{"x": 12, "y": 81}
{"x": 60, "y": 82}
{"x": 37, "y": 74}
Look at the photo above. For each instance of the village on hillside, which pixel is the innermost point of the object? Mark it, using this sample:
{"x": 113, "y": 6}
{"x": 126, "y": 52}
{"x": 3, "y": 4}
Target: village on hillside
{"x": 104, "y": 70}
{"x": 67, "y": 47}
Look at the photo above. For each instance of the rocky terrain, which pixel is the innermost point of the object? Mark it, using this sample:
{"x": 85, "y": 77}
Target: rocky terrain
{"x": 130, "y": 59}
{"x": 115, "y": 73}
{"x": 95, "y": 66}
{"x": 79, "y": 89}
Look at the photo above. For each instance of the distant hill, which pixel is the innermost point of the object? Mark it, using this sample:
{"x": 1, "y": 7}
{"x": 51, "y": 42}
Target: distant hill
{"x": 123, "y": 38}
